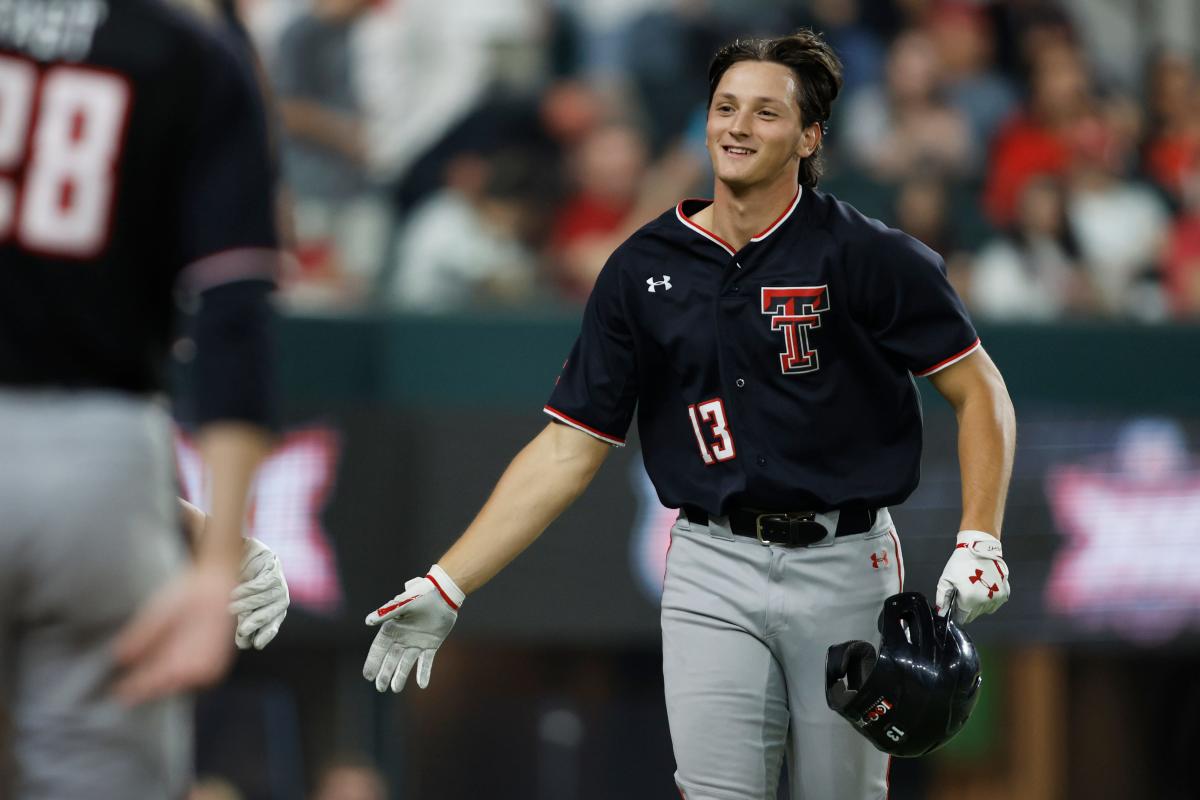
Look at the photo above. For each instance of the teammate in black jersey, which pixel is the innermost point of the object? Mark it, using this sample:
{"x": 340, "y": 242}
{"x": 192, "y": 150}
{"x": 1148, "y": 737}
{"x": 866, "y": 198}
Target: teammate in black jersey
{"x": 768, "y": 341}
{"x": 133, "y": 166}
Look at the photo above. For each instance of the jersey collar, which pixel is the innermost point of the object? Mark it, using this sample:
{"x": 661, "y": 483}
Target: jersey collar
{"x": 712, "y": 237}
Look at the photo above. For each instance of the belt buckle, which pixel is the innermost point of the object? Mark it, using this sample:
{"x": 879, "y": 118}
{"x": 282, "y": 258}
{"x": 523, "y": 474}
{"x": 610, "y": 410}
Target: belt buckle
{"x": 790, "y": 517}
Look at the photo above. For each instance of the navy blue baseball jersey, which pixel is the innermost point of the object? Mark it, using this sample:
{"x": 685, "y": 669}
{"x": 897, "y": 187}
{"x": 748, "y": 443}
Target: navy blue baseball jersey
{"x": 778, "y": 377}
{"x": 132, "y": 146}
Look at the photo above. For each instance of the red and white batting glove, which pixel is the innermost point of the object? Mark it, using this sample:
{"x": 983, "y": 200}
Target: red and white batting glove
{"x": 412, "y": 628}
{"x": 261, "y": 598}
{"x": 975, "y": 578}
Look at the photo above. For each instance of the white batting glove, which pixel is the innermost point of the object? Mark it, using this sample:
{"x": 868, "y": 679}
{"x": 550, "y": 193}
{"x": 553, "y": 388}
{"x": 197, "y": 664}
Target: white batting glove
{"x": 975, "y": 578}
{"x": 414, "y": 625}
{"x": 261, "y": 599}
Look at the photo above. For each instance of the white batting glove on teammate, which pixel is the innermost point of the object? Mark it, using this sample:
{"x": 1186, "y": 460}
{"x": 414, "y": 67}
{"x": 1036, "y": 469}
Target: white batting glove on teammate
{"x": 412, "y": 628}
{"x": 975, "y": 578}
{"x": 261, "y": 599}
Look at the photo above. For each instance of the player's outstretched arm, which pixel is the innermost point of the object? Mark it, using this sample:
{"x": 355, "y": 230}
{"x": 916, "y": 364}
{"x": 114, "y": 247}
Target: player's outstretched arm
{"x": 539, "y": 484}
{"x": 976, "y": 575}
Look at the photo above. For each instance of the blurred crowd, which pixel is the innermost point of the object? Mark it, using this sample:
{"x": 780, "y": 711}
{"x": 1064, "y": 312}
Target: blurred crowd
{"x": 462, "y": 155}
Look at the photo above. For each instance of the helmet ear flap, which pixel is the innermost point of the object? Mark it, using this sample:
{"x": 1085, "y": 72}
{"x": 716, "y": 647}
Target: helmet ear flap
{"x": 847, "y": 667}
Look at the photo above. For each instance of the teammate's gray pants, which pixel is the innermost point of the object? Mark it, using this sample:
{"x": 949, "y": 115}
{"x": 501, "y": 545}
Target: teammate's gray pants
{"x": 88, "y": 530}
{"x": 745, "y": 629}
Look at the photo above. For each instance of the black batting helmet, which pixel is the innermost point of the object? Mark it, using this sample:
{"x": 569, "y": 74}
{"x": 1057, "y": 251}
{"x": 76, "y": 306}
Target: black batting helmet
{"x": 916, "y": 692}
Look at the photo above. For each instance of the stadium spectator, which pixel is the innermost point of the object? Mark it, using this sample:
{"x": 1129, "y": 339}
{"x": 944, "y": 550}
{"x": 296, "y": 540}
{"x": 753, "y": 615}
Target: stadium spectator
{"x": 1172, "y": 152}
{"x": 1182, "y": 261}
{"x": 423, "y": 66}
{"x": 921, "y": 210}
{"x": 893, "y": 130}
{"x": 324, "y": 154}
{"x": 547, "y": 125}
{"x": 1121, "y": 224}
{"x": 861, "y": 51}
{"x": 313, "y": 77}
{"x": 1036, "y": 140}
{"x": 467, "y": 246}
{"x": 607, "y": 168}
{"x": 1033, "y": 273}
{"x": 962, "y": 35}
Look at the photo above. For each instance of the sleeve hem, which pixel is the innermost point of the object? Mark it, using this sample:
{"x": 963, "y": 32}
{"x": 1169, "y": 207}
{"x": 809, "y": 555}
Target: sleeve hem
{"x": 229, "y": 266}
{"x": 954, "y": 359}
{"x": 577, "y": 425}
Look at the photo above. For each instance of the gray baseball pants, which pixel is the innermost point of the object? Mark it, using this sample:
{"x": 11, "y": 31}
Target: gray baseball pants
{"x": 88, "y": 531}
{"x": 745, "y": 630}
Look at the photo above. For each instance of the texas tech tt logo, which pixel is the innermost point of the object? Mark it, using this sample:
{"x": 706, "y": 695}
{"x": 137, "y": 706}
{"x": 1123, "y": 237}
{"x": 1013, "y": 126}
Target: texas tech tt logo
{"x": 796, "y": 310}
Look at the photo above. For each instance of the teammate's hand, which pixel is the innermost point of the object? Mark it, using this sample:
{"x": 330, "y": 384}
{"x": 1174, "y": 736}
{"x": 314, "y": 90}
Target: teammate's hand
{"x": 414, "y": 625}
{"x": 261, "y": 600}
{"x": 975, "y": 577}
{"x": 181, "y": 639}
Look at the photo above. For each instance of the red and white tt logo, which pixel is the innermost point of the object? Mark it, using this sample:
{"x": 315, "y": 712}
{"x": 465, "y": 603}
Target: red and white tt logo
{"x": 795, "y": 310}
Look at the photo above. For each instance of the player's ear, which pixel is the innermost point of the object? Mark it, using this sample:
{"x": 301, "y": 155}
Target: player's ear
{"x": 810, "y": 140}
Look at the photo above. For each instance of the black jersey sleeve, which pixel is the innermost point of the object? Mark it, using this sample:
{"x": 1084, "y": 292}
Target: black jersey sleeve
{"x": 598, "y": 388}
{"x": 233, "y": 372}
{"x": 910, "y": 307}
{"x": 227, "y": 206}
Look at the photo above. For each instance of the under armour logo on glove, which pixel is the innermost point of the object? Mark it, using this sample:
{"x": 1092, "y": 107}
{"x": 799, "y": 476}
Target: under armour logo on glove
{"x": 975, "y": 577}
{"x": 978, "y": 578}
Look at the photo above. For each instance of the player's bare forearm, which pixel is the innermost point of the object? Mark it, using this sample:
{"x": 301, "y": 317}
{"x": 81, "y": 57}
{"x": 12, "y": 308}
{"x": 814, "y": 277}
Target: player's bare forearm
{"x": 987, "y": 434}
{"x": 193, "y": 520}
{"x": 232, "y": 451}
{"x": 540, "y": 483}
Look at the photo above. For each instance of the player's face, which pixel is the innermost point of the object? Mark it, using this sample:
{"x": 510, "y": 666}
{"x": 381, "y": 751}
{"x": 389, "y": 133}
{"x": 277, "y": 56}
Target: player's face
{"x": 755, "y": 134}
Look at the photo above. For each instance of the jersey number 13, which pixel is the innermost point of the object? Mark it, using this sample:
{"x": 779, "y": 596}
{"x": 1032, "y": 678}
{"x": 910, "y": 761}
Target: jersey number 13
{"x": 712, "y": 431}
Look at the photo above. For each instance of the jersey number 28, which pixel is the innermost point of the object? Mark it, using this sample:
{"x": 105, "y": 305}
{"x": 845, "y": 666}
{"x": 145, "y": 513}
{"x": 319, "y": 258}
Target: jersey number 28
{"x": 60, "y": 141}
{"x": 716, "y": 443}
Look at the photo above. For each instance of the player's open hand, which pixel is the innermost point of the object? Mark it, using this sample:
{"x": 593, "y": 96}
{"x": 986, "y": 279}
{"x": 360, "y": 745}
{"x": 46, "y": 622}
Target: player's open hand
{"x": 181, "y": 639}
{"x": 261, "y": 599}
{"x": 412, "y": 626}
{"x": 975, "y": 577}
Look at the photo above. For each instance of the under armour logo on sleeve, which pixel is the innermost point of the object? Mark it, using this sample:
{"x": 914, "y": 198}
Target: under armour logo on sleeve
{"x": 665, "y": 283}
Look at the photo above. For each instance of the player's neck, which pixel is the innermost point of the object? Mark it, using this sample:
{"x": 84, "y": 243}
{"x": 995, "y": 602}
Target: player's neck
{"x": 738, "y": 216}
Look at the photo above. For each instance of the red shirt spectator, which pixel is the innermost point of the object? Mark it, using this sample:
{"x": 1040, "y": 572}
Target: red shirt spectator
{"x": 1182, "y": 267}
{"x": 1038, "y": 140}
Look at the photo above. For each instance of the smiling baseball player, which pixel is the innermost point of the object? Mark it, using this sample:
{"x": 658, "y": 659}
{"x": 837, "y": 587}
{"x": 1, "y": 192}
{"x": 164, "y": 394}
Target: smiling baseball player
{"x": 767, "y": 340}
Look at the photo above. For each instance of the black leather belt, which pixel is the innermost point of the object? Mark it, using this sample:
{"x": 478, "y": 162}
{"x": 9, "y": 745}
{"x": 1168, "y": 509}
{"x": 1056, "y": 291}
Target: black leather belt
{"x": 792, "y": 528}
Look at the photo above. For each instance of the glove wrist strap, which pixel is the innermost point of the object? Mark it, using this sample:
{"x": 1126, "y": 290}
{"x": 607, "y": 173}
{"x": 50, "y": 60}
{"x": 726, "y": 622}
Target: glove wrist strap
{"x": 446, "y": 586}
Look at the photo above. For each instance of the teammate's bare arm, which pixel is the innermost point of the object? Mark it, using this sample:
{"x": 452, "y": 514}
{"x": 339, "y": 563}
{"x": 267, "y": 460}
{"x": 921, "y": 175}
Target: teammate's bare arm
{"x": 159, "y": 652}
{"x": 193, "y": 520}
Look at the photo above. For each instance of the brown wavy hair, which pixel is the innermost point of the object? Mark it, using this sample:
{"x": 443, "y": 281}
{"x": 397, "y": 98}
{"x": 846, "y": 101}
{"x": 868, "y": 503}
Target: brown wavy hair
{"x": 818, "y": 73}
